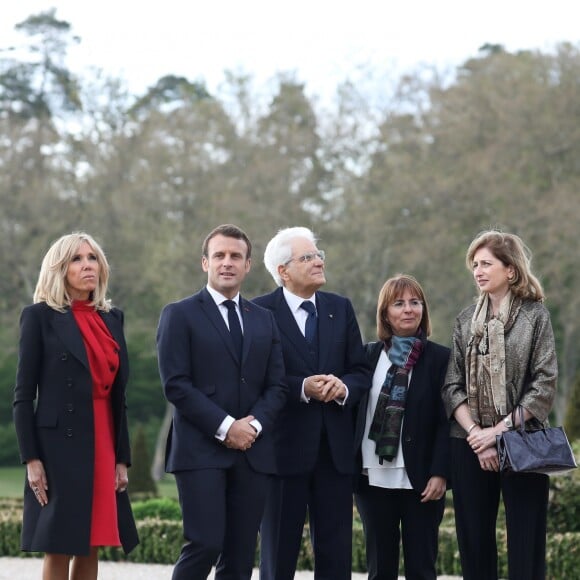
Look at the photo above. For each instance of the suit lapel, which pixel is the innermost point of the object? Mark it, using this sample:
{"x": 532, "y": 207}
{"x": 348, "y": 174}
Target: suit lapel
{"x": 288, "y": 326}
{"x": 68, "y": 331}
{"x": 326, "y": 322}
{"x": 211, "y": 310}
{"x": 248, "y": 319}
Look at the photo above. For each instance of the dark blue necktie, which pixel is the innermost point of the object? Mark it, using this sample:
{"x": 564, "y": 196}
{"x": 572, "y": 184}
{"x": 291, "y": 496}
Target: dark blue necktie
{"x": 311, "y": 325}
{"x": 235, "y": 327}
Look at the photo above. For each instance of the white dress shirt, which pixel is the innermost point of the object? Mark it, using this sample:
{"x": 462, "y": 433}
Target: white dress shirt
{"x": 219, "y": 299}
{"x": 300, "y": 315}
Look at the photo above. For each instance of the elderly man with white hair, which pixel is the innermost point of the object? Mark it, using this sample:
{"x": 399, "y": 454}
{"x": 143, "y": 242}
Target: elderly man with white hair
{"x": 326, "y": 373}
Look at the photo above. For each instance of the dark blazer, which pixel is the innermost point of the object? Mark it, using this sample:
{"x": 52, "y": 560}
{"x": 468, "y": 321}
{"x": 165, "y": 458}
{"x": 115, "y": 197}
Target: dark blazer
{"x": 425, "y": 434}
{"x": 340, "y": 353}
{"x": 205, "y": 382}
{"x": 59, "y": 429}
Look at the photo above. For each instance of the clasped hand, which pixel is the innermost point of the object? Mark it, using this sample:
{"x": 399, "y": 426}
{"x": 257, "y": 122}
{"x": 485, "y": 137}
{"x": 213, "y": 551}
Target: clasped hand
{"x": 241, "y": 435}
{"x": 483, "y": 444}
{"x": 324, "y": 388}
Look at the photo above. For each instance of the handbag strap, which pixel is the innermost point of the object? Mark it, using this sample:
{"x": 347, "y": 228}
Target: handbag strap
{"x": 522, "y": 426}
{"x": 519, "y": 410}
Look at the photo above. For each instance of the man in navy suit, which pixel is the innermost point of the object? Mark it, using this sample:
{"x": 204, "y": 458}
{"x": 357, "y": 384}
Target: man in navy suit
{"x": 326, "y": 373}
{"x": 221, "y": 365}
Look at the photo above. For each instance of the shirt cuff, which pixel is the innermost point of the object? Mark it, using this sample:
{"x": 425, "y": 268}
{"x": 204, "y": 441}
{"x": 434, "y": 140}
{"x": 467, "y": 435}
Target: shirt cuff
{"x": 223, "y": 429}
{"x": 303, "y": 397}
{"x": 256, "y": 425}
{"x": 342, "y": 402}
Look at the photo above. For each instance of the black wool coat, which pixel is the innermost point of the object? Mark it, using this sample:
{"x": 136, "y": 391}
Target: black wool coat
{"x": 53, "y": 417}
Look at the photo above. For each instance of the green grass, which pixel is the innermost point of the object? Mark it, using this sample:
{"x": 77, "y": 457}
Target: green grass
{"x": 12, "y": 483}
{"x": 166, "y": 486}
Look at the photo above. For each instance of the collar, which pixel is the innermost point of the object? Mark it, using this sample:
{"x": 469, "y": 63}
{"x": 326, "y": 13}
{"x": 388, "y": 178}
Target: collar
{"x": 294, "y": 301}
{"x": 218, "y": 297}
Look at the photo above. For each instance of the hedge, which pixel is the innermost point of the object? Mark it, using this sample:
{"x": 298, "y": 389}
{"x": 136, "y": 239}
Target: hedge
{"x": 160, "y": 532}
{"x": 161, "y": 542}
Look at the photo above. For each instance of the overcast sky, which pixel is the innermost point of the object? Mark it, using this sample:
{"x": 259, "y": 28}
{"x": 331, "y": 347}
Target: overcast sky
{"x": 322, "y": 41}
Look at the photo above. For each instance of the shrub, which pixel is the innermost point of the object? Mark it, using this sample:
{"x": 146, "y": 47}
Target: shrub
{"x": 161, "y": 538}
{"x": 162, "y": 508}
{"x": 564, "y": 504}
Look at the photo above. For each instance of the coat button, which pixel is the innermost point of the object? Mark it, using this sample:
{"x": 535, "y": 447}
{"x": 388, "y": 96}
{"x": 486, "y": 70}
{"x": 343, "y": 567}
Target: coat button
{"x": 64, "y": 356}
{"x": 70, "y": 407}
{"x": 408, "y": 438}
{"x": 243, "y": 380}
{"x": 69, "y": 383}
{"x": 69, "y": 433}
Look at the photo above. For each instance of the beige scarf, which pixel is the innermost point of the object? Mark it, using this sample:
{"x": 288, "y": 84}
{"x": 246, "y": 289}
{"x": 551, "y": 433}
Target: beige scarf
{"x": 485, "y": 369}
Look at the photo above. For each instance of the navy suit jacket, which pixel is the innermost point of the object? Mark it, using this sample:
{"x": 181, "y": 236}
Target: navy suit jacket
{"x": 341, "y": 353}
{"x": 204, "y": 380}
{"x": 425, "y": 433}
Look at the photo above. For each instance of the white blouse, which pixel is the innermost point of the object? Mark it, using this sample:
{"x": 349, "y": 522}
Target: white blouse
{"x": 391, "y": 474}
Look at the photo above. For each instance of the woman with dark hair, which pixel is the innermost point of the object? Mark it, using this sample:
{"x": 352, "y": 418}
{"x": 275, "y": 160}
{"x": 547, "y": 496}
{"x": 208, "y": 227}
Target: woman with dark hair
{"x": 402, "y": 437}
{"x": 503, "y": 355}
{"x": 70, "y": 414}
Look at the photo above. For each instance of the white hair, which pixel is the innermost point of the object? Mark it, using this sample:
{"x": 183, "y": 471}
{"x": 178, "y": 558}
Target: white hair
{"x": 279, "y": 249}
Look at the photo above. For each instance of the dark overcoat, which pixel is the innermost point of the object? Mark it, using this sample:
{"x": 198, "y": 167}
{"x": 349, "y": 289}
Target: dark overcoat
{"x": 53, "y": 417}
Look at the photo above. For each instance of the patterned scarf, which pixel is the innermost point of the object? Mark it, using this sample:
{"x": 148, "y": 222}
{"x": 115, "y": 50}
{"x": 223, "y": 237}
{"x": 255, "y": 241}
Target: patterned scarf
{"x": 385, "y": 428}
{"x": 485, "y": 357}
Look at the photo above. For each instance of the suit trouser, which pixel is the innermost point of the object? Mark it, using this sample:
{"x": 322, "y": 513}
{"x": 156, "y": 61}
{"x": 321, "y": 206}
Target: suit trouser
{"x": 328, "y": 496}
{"x": 389, "y": 514}
{"x": 221, "y": 511}
{"x": 476, "y": 496}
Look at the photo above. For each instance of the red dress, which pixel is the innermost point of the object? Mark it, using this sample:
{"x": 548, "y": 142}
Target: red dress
{"x": 103, "y": 355}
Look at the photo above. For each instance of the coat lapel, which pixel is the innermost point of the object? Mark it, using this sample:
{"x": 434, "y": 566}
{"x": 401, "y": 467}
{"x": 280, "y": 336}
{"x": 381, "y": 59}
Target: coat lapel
{"x": 66, "y": 328}
{"x": 418, "y": 377}
{"x": 211, "y": 310}
{"x": 288, "y": 326}
{"x": 116, "y": 329}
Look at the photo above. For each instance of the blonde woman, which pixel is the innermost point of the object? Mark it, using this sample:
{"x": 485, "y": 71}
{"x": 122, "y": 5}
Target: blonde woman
{"x": 70, "y": 414}
{"x": 503, "y": 355}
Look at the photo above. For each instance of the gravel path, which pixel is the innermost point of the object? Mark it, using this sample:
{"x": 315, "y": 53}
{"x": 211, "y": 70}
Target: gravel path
{"x": 30, "y": 569}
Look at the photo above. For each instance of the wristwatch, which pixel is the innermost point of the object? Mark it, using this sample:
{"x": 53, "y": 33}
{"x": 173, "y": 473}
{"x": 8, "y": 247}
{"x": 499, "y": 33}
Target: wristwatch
{"x": 508, "y": 421}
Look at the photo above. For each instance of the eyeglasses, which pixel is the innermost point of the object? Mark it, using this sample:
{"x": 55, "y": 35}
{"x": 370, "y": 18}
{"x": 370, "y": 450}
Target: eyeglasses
{"x": 308, "y": 257}
{"x": 415, "y": 304}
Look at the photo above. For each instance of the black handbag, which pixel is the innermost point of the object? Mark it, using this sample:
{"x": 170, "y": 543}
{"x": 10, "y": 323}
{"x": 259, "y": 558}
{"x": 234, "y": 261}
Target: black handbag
{"x": 543, "y": 451}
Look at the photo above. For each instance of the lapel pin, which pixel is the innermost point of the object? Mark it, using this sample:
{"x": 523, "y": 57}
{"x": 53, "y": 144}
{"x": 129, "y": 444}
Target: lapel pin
{"x": 331, "y": 316}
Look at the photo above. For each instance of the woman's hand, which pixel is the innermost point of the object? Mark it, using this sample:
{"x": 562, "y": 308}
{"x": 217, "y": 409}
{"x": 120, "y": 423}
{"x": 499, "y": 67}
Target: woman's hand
{"x": 488, "y": 459}
{"x": 481, "y": 439}
{"x": 435, "y": 489}
{"x": 121, "y": 477}
{"x": 37, "y": 480}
